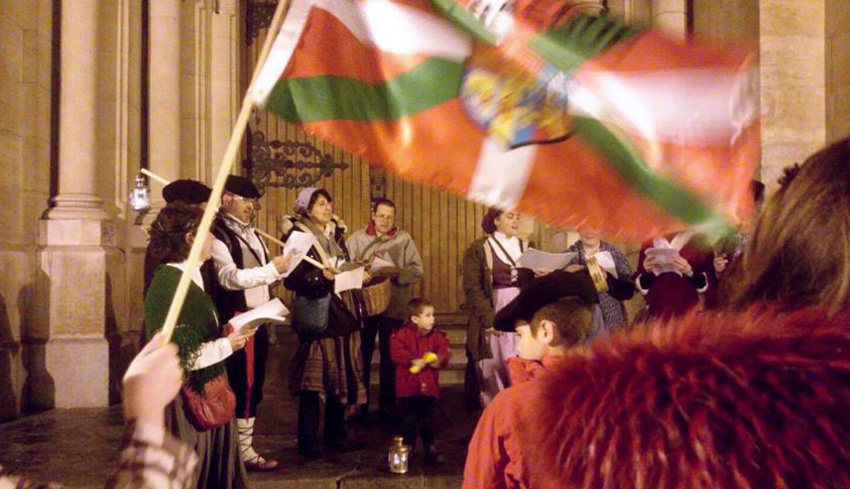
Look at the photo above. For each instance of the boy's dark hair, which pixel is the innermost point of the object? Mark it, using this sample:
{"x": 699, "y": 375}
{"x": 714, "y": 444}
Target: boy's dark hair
{"x": 417, "y": 306}
{"x": 382, "y": 201}
{"x": 572, "y": 317}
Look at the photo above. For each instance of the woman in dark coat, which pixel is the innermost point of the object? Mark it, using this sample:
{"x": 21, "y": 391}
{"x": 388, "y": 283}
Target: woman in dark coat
{"x": 328, "y": 363}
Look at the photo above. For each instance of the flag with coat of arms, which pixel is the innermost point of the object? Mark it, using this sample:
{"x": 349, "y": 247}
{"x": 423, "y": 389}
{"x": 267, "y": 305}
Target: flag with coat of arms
{"x": 528, "y": 105}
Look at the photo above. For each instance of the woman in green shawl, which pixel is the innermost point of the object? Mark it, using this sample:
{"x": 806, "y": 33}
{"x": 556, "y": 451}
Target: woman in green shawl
{"x": 202, "y": 349}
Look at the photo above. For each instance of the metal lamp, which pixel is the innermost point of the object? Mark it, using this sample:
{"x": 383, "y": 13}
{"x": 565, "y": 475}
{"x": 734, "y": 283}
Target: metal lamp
{"x": 140, "y": 195}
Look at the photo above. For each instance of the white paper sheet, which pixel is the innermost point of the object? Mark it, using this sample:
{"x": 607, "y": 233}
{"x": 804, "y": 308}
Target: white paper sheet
{"x": 663, "y": 258}
{"x": 297, "y": 246}
{"x": 544, "y": 262}
{"x": 606, "y": 262}
{"x": 271, "y": 311}
{"x": 380, "y": 262}
{"x": 352, "y": 279}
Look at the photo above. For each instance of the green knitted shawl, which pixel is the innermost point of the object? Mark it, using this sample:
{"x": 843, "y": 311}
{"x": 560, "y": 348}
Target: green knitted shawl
{"x": 196, "y": 325}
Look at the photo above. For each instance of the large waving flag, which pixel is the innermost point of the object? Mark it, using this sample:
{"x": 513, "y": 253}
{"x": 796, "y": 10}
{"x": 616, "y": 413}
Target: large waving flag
{"x": 574, "y": 119}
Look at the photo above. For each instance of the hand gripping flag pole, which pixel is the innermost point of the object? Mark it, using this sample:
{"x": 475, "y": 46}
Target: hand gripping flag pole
{"x": 218, "y": 185}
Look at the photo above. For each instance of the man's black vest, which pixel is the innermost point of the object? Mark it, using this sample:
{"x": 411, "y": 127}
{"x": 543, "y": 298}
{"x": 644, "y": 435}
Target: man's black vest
{"x": 228, "y": 302}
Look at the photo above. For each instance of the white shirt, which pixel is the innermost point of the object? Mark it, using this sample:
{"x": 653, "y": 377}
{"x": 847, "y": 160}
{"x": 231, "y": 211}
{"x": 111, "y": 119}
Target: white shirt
{"x": 254, "y": 281}
{"x": 214, "y": 351}
{"x": 511, "y": 245}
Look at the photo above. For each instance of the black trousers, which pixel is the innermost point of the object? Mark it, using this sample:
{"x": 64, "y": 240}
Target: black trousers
{"x": 308, "y": 421}
{"x": 416, "y": 420}
{"x": 381, "y": 327}
{"x": 248, "y": 398}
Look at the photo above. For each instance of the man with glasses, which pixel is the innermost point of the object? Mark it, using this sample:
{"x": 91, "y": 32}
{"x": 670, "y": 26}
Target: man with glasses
{"x": 391, "y": 253}
{"x": 245, "y": 273}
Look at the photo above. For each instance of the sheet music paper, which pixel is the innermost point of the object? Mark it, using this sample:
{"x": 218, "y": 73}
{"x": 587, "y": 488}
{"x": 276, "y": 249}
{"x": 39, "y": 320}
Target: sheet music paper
{"x": 664, "y": 260}
{"x": 543, "y": 261}
{"x": 352, "y": 279}
{"x": 271, "y": 311}
{"x": 297, "y": 246}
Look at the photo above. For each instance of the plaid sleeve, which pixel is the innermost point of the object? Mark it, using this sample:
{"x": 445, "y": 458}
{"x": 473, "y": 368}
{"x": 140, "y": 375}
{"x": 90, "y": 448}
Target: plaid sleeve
{"x": 9, "y": 481}
{"x": 152, "y": 458}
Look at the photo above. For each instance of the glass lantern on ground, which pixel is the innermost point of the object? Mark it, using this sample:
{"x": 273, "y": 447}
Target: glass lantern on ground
{"x": 398, "y": 456}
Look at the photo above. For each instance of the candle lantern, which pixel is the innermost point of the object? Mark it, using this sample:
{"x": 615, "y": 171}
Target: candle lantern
{"x": 140, "y": 196}
{"x": 398, "y": 456}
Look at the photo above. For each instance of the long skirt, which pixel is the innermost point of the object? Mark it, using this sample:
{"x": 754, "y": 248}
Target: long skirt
{"x": 218, "y": 450}
{"x": 333, "y": 367}
{"x": 492, "y": 372}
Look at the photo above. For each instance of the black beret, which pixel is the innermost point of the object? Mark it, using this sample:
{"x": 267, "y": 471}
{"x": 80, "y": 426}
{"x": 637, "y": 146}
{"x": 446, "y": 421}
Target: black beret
{"x": 186, "y": 191}
{"x": 543, "y": 291}
{"x": 242, "y": 187}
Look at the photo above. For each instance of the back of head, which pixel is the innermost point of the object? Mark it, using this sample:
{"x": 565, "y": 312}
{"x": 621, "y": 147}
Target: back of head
{"x": 168, "y": 232}
{"x": 572, "y": 316}
{"x": 723, "y": 402}
{"x": 799, "y": 254}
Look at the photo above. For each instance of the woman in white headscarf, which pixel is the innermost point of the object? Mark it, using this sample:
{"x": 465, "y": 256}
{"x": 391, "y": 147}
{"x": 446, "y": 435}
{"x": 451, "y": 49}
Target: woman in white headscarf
{"x": 328, "y": 363}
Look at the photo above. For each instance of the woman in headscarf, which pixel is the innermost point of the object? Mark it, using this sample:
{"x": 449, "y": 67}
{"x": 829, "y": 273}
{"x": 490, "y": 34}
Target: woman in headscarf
{"x": 202, "y": 349}
{"x": 328, "y": 362}
{"x": 491, "y": 279}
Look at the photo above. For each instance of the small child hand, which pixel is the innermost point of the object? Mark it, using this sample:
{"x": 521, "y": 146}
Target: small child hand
{"x": 418, "y": 364}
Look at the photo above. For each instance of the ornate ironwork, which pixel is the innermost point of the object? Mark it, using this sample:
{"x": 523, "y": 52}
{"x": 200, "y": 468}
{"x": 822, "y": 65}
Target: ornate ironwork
{"x": 287, "y": 164}
{"x": 259, "y": 17}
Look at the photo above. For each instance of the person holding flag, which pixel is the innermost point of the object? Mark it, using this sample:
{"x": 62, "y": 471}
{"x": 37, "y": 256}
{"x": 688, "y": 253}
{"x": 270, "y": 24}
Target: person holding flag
{"x": 245, "y": 273}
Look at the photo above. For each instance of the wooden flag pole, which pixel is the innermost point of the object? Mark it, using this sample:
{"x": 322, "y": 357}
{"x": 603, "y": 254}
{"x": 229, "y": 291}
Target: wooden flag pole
{"x": 154, "y": 176}
{"x": 280, "y": 243}
{"x": 223, "y": 171}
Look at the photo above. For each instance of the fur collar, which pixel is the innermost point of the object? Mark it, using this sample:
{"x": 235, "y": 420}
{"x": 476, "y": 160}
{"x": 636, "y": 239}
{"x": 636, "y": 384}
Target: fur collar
{"x": 722, "y": 400}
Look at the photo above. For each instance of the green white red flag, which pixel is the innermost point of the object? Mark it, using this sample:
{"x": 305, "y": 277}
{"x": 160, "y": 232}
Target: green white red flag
{"x": 574, "y": 119}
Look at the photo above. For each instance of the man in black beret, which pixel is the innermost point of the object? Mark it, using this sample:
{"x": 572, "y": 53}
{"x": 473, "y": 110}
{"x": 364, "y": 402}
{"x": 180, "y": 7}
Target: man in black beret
{"x": 187, "y": 191}
{"x": 245, "y": 273}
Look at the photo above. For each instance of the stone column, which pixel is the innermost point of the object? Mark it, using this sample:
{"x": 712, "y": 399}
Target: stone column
{"x": 77, "y": 199}
{"x": 792, "y": 55}
{"x": 670, "y": 16}
{"x": 164, "y": 94}
{"x": 68, "y": 352}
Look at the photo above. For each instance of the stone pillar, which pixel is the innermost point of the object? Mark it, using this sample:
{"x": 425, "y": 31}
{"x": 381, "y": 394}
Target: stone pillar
{"x": 71, "y": 369}
{"x": 77, "y": 199}
{"x": 164, "y": 94}
{"x": 670, "y": 16}
{"x": 792, "y": 77}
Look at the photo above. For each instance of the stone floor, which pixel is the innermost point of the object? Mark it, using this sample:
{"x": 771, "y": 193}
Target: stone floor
{"x": 78, "y": 447}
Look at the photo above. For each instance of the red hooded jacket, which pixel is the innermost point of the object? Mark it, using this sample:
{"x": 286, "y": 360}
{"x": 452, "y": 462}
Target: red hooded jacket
{"x": 408, "y": 344}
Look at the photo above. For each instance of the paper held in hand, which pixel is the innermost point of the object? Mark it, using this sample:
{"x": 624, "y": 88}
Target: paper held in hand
{"x": 544, "y": 262}
{"x": 297, "y": 246}
{"x": 271, "y": 311}
{"x": 380, "y": 262}
{"x": 352, "y": 279}
{"x": 663, "y": 258}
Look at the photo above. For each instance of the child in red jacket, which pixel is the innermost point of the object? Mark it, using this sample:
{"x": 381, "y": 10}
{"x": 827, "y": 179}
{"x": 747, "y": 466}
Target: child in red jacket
{"x": 419, "y": 350}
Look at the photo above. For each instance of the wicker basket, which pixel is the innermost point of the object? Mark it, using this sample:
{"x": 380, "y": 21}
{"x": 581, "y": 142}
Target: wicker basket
{"x": 376, "y": 296}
